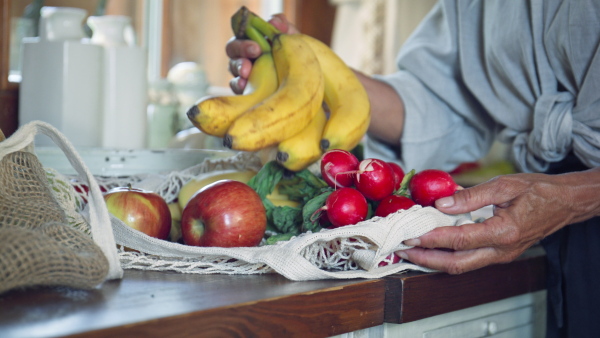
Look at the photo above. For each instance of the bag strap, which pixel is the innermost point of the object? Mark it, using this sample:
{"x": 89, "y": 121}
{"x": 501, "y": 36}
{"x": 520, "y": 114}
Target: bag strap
{"x": 99, "y": 217}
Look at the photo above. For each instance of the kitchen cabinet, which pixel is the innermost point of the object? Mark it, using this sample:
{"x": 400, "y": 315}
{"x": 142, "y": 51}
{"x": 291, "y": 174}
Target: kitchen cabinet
{"x": 519, "y": 316}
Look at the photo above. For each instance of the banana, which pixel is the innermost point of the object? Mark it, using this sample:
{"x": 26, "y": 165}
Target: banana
{"x": 291, "y": 108}
{"x": 214, "y": 114}
{"x": 345, "y": 97}
{"x": 188, "y": 190}
{"x": 303, "y": 149}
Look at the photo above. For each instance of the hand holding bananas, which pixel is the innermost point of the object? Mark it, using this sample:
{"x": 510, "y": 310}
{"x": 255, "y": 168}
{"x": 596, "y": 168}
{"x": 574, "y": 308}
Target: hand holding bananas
{"x": 300, "y": 97}
{"x": 242, "y": 52}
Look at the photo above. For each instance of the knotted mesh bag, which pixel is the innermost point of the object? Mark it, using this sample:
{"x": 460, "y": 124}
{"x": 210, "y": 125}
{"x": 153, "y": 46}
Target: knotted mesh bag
{"x": 39, "y": 246}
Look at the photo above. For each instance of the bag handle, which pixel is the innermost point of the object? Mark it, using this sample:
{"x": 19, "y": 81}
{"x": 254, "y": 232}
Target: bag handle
{"x": 99, "y": 217}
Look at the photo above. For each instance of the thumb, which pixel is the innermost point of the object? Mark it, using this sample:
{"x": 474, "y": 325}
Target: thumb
{"x": 466, "y": 200}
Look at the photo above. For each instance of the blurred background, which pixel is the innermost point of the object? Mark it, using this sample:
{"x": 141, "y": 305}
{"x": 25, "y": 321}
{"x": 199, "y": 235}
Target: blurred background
{"x": 184, "y": 42}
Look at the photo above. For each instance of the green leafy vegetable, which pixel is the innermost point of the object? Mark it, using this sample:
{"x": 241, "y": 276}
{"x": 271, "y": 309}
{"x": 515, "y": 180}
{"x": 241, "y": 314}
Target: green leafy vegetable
{"x": 311, "y": 212}
{"x": 286, "y": 219}
{"x": 303, "y": 187}
{"x": 279, "y": 237}
{"x": 267, "y": 178}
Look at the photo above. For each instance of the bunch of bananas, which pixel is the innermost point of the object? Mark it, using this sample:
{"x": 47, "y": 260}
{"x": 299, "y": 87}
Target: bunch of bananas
{"x": 301, "y": 97}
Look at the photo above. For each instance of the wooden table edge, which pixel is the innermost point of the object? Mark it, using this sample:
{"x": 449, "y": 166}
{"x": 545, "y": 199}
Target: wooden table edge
{"x": 414, "y": 295}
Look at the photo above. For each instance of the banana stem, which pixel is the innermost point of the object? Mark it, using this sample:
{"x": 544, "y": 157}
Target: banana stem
{"x": 244, "y": 18}
{"x": 253, "y": 34}
{"x": 239, "y": 22}
{"x": 244, "y": 28}
{"x": 263, "y": 26}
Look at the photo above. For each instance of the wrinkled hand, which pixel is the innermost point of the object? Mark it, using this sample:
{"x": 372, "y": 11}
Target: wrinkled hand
{"x": 241, "y": 52}
{"x": 527, "y": 208}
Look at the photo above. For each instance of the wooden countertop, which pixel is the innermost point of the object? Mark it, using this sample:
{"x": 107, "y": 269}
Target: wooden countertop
{"x": 159, "y": 304}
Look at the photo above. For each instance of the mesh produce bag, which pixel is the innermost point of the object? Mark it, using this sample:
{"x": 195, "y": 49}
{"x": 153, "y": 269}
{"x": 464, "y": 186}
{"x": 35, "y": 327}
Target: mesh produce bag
{"x": 38, "y": 243}
{"x": 354, "y": 251}
{"x": 362, "y": 250}
{"x": 37, "y": 246}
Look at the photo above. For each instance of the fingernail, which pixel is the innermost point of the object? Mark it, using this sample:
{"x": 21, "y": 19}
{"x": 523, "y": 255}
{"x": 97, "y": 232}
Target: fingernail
{"x": 412, "y": 242}
{"x": 402, "y": 254}
{"x": 233, "y": 84}
{"x": 445, "y": 202}
{"x": 274, "y": 20}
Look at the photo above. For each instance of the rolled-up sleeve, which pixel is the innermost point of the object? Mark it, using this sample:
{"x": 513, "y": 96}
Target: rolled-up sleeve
{"x": 443, "y": 126}
{"x": 522, "y": 72}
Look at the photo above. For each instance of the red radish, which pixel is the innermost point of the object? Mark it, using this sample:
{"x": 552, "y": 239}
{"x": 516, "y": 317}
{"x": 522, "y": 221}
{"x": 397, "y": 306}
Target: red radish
{"x": 392, "y": 204}
{"x": 429, "y": 185}
{"x": 393, "y": 257}
{"x": 324, "y": 221}
{"x": 398, "y": 174}
{"x": 338, "y": 167}
{"x": 346, "y": 206}
{"x": 374, "y": 179}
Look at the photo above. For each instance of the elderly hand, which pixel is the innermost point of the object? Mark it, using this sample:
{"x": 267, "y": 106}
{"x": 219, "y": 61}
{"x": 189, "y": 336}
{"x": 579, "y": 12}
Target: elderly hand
{"x": 241, "y": 52}
{"x": 527, "y": 208}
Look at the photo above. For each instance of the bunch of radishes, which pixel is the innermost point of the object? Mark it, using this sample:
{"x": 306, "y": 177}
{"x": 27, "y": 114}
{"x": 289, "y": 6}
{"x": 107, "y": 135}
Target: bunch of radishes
{"x": 378, "y": 184}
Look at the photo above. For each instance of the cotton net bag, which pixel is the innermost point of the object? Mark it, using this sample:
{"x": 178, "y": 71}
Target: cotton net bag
{"x": 38, "y": 246}
{"x": 362, "y": 250}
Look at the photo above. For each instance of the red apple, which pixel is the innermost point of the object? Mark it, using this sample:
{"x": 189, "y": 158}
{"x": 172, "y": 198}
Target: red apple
{"x": 142, "y": 210}
{"x": 226, "y": 213}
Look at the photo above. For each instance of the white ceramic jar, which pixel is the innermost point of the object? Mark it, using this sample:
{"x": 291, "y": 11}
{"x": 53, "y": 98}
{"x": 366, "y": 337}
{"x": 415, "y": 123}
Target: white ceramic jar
{"x": 61, "y": 23}
{"x": 62, "y": 78}
{"x": 125, "y": 98}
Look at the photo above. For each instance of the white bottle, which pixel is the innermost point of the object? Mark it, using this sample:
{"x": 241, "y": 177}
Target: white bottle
{"x": 61, "y": 78}
{"x": 124, "y": 83}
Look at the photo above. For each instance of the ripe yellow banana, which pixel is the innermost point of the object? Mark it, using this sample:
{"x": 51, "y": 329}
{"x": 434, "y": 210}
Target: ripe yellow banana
{"x": 303, "y": 149}
{"x": 348, "y": 103}
{"x": 214, "y": 114}
{"x": 291, "y": 108}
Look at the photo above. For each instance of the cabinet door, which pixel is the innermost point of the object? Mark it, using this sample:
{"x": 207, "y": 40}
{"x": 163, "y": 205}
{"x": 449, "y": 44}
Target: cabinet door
{"x": 488, "y": 326}
{"x": 519, "y": 316}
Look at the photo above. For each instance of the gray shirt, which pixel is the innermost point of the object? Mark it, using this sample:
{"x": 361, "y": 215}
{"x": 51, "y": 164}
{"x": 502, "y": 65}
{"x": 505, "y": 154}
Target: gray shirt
{"x": 526, "y": 72}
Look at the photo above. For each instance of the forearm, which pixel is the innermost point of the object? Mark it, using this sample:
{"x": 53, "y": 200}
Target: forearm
{"x": 387, "y": 110}
{"x": 582, "y": 190}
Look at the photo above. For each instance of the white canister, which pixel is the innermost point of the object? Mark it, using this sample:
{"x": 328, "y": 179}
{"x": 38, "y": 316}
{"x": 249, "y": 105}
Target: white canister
{"x": 62, "y": 78}
{"x": 189, "y": 84}
{"x": 162, "y": 114}
{"x": 125, "y": 96}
